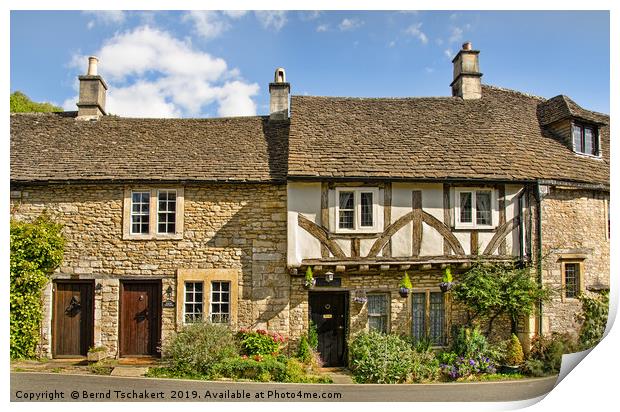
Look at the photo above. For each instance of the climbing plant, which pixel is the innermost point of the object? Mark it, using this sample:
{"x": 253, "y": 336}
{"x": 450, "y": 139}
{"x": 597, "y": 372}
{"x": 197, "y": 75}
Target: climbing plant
{"x": 595, "y": 310}
{"x": 36, "y": 250}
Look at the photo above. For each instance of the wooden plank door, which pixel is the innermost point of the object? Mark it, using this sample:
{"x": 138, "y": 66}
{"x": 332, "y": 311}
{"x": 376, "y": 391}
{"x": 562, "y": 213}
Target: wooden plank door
{"x": 328, "y": 312}
{"x": 73, "y": 318}
{"x": 140, "y": 318}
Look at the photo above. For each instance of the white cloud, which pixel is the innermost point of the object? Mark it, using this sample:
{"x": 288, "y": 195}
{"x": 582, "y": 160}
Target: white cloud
{"x": 235, "y": 14}
{"x": 414, "y": 30}
{"x": 309, "y": 15}
{"x": 391, "y": 44}
{"x": 153, "y": 74}
{"x": 273, "y": 20}
{"x": 321, "y": 28}
{"x": 105, "y": 17}
{"x": 350, "y": 24}
{"x": 448, "y": 53}
{"x": 456, "y": 35}
{"x": 207, "y": 24}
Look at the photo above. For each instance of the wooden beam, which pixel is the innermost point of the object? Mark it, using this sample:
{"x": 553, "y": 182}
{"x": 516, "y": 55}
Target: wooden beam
{"x": 355, "y": 247}
{"x": 473, "y": 242}
{"x": 387, "y": 216}
{"x": 324, "y": 215}
{"x": 416, "y": 237}
{"x": 502, "y": 215}
{"x": 447, "y": 215}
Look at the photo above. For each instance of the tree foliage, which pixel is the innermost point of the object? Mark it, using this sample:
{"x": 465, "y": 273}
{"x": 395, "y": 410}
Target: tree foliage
{"x": 36, "y": 250}
{"x": 20, "y": 103}
{"x": 492, "y": 291}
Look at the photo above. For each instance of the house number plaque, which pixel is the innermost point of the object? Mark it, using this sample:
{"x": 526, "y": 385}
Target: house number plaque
{"x": 169, "y": 303}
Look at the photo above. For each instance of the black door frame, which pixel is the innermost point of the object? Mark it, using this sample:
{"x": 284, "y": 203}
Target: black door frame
{"x": 55, "y": 333}
{"x": 347, "y": 319}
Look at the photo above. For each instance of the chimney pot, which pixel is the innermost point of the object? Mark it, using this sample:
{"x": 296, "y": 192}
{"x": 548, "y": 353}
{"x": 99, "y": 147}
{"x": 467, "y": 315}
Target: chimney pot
{"x": 92, "y": 66}
{"x": 279, "y": 92}
{"x": 91, "y": 103}
{"x": 466, "y": 82}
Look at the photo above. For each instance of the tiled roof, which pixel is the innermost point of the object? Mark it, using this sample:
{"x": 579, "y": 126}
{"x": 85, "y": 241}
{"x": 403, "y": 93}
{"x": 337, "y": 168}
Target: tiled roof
{"x": 57, "y": 147}
{"x": 562, "y": 107}
{"x": 498, "y": 137}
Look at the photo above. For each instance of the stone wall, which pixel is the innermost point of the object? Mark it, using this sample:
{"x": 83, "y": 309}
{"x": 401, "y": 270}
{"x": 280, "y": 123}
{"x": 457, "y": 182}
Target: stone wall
{"x": 574, "y": 229}
{"x": 240, "y": 226}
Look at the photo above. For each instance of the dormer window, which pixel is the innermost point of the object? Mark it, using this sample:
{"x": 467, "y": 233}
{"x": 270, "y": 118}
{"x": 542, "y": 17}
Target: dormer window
{"x": 585, "y": 139}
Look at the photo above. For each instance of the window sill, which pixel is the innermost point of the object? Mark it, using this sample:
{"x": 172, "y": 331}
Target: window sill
{"x": 372, "y": 231}
{"x": 176, "y": 236}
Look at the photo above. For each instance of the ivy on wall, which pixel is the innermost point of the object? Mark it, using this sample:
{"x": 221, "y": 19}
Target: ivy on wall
{"x": 595, "y": 310}
{"x": 36, "y": 251}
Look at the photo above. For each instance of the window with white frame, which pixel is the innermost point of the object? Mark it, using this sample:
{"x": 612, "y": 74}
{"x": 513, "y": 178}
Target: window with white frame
{"x": 194, "y": 303}
{"x": 378, "y": 312}
{"x": 154, "y": 213}
{"x": 220, "y": 302}
{"x": 166, "y": 211}
{"x": 474, "y": 208}
{"x": 357, "y": 209}
{"x": 585, "y": 139}
{"x": 140, "y": 216}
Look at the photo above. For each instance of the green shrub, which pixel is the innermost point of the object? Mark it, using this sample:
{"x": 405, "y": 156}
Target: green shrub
{"x": 534, "y": 367}
{"x": 259, "y": 342}
{"x": 595, "y": 310}
{"x": 425, "y": 367}
{"x": 303, "y": 352}
{"x": 313, "y": 336}
{"x": 469, "y": 342}
{"x": 257, "y": 368}
{"x": 549, "y": 350}
{"x": 514, "y": 351}
{"x": 198, "y": 347}
{"x": 36, "y": 251}
{"x": 381, "y": 358}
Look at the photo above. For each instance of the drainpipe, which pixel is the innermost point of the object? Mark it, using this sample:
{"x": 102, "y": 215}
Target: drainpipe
{"x": 539, "y": 252}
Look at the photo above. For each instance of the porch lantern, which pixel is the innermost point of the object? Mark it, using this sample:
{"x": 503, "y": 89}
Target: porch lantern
{"x": 329, "y": 276}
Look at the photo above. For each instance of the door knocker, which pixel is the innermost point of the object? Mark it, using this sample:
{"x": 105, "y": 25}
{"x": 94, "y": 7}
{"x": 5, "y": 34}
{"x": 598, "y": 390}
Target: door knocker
{"x": 328, "y": 306}
{"x": 74, "y": 306}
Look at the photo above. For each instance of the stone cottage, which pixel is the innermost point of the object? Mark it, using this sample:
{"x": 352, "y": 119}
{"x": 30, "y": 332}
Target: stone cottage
{"x": 173, "y": 221}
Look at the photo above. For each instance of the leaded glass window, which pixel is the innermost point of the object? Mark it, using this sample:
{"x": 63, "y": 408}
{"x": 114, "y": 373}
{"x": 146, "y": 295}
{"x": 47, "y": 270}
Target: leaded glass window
{"x": 585, "y": 139}
{"x": 220, "y": 302}
{"x": 483, "y": 208}
{"x": 140, "y": 212}
{"x": 418, "y": 323}
{"x": 346, "y": 212}
{"x": 571, "y": 280}
{"x": 466, "y": 206}
{"x": 166, "y": 211}
{"x": 436, "y": 317}
{"x": 193, "y": 302}
{"x": 378, "y": 312}
{"x": 367, "y": 212}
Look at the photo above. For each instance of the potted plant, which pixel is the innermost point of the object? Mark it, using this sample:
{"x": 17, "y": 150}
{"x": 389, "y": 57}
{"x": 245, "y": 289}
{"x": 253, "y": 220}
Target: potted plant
{"x": 309, "y": 280}
{"x": 514, "y": 356}
{"x": 446, "y": 283}
{"x": 405, "y": 286}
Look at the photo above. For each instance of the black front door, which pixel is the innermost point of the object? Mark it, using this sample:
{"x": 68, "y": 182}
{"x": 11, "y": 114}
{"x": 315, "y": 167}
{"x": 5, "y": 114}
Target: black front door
{"x": 328, "y": 312}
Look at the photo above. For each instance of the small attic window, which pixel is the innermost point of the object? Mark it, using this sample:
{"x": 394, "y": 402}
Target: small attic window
{"x": 585, "y": 139}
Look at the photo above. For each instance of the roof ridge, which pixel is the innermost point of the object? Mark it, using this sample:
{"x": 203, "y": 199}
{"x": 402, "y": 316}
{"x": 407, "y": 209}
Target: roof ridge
{"x": 520, "y": 93}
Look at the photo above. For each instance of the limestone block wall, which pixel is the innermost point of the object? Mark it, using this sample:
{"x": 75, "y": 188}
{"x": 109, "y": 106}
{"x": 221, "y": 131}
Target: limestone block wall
{"x": 228, "y": 226}
{"x": 574, "y": 229}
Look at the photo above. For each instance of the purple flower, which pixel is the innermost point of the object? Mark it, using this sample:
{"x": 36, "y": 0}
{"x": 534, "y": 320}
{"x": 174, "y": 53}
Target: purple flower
{"x": 472, "y": 362}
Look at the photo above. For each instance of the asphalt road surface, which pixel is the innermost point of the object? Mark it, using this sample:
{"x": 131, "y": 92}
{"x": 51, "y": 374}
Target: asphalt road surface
{"x": 29, "y": 386}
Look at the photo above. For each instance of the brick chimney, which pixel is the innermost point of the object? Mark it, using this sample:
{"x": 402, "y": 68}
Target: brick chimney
{"x": 466, "y": 83}
{"x": 91, "y": 103}
{"x": 279, "y": 92}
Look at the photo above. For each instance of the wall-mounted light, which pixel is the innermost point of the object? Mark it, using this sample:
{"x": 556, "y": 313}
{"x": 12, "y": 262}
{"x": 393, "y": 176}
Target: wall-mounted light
{"x": 98, "y": 287}
{"x": 169, "y": 292}
{"x": 329, "y": 276}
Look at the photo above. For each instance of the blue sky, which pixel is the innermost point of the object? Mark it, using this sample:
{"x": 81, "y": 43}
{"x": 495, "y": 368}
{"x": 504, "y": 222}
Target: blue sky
{"x": 195, "y": 64}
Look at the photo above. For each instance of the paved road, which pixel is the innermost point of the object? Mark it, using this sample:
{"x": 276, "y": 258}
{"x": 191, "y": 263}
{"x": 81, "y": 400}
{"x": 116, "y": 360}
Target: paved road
{"x": 49, "y": 386}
